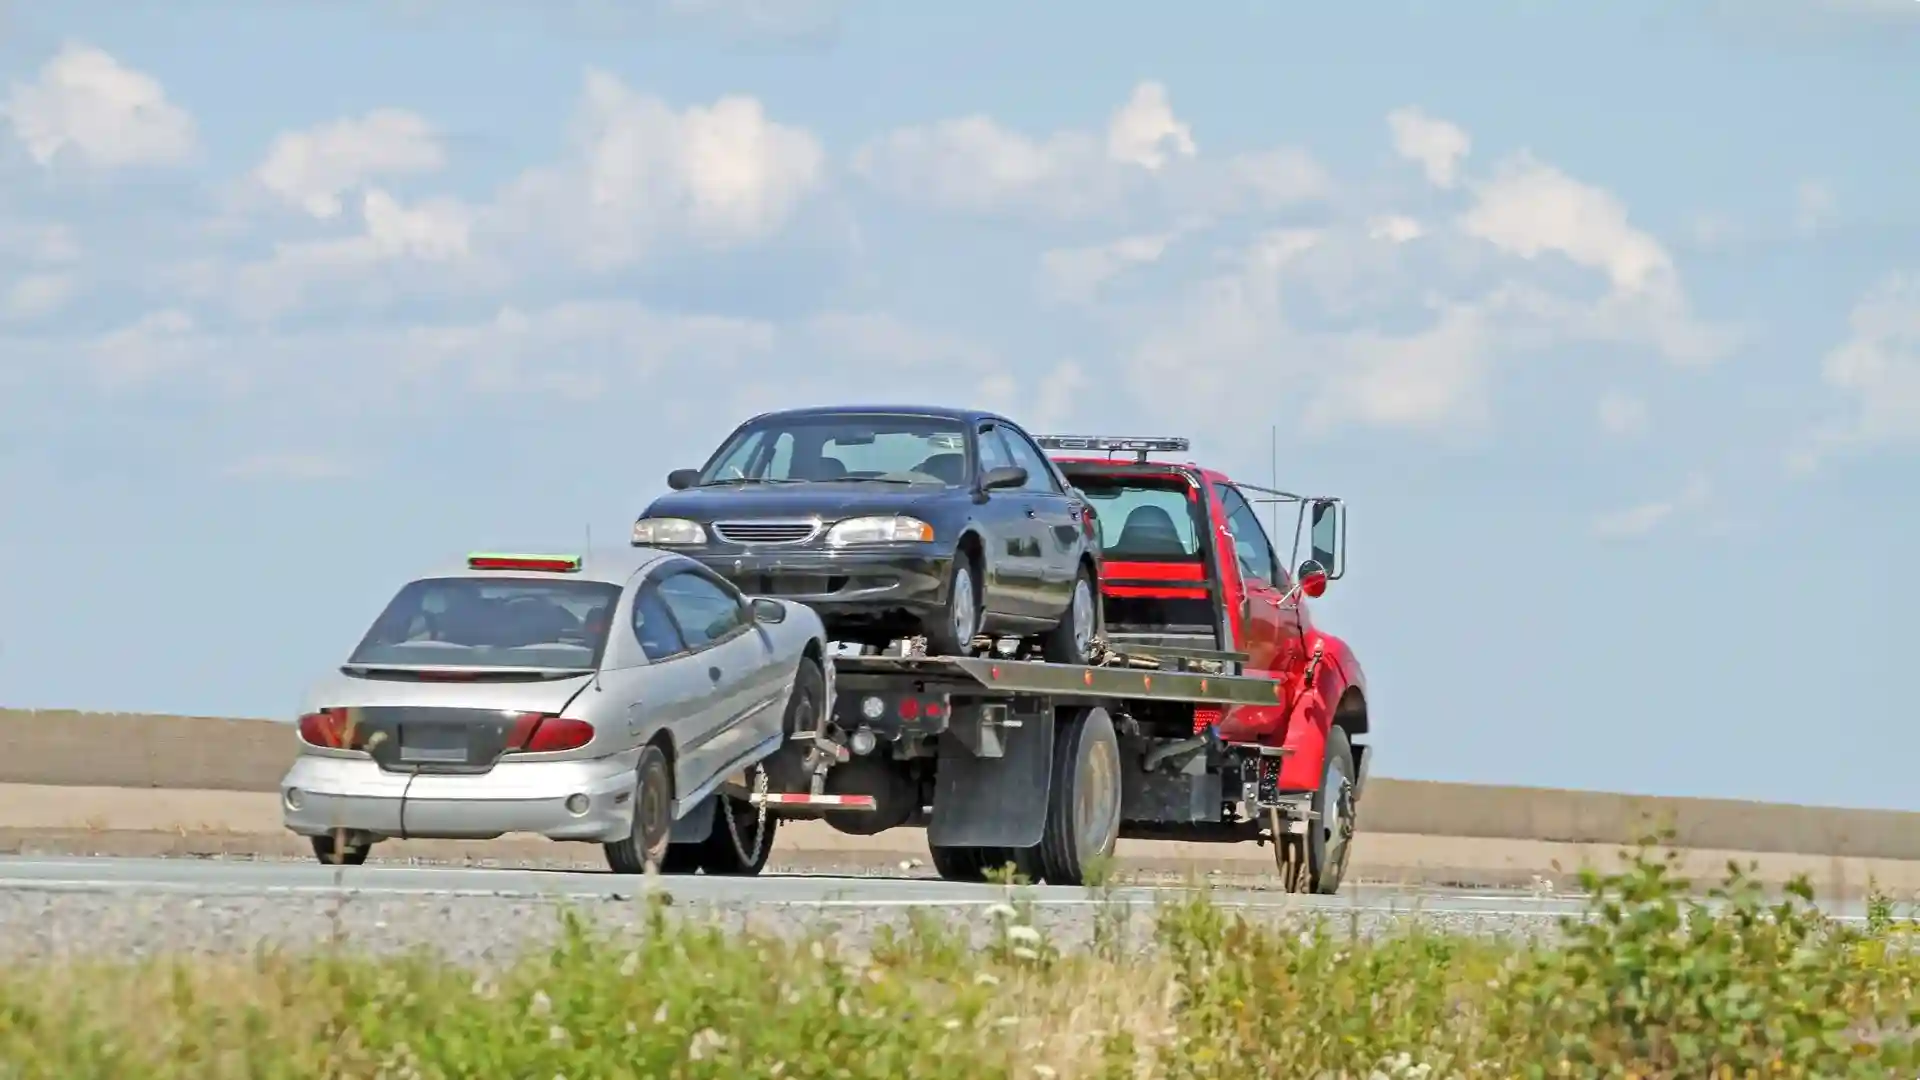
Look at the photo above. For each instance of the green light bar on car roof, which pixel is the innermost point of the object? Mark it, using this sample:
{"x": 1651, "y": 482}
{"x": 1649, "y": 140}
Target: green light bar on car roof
{"x": 551, "y": 564}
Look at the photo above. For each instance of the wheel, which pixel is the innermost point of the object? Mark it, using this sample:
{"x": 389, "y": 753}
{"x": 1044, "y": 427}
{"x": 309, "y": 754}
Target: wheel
{"x": 975, "y": 863}
{"x": 1083, "y": 803}
{"x": 648, "y": 841}
{"x": 333, "y": 854}
{"x": 953, "y": 634}
{"x": 1071, "y": 642}
{"x": 1316, "y": 862}
{"x": 741, "y": 840}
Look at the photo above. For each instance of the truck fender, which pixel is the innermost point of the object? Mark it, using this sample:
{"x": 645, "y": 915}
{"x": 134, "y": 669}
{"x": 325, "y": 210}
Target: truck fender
{"x": 1313, "y": 711}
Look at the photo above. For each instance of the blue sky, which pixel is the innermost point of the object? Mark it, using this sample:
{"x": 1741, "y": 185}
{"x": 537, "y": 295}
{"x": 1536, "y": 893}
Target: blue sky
{"x": 1604, "y": 318}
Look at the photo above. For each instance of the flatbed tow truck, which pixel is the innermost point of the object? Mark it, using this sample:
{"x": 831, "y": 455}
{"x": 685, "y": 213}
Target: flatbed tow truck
{"x": 1214, "y": 710}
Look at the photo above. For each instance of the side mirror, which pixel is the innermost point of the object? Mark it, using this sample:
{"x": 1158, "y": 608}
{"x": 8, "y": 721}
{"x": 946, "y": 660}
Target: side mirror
{"x": 1006, "y": 476}
{"x": 768, "y": 611}
{"x": 682, "y": 479}
{"x": 1312, "y": 577}
{"x": 1327, "y": 541}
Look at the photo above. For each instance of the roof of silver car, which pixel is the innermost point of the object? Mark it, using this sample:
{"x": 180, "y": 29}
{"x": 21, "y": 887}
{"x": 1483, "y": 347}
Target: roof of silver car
{"x": 613, "y": 565}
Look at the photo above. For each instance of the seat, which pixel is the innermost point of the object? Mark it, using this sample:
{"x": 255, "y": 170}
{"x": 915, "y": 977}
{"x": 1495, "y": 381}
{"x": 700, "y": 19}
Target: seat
{"x": 822, "y": 469}
{"x": 1150, "y": 533}
{"x": 950, "y": 468}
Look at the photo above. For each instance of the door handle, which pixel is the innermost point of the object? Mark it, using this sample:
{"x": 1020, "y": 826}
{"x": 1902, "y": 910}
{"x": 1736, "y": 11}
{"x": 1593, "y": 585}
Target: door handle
{"x": 1031, "y": 512}
{"x": 714, "y": 673}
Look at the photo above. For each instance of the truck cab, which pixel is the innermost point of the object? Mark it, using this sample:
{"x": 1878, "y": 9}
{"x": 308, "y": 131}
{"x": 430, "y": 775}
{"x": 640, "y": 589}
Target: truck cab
{"x": 1187, "y": 563}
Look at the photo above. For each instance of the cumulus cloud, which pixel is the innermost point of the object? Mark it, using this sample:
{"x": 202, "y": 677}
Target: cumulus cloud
{"x": 88, "y": 106}
{"x": 1875, "y": 372}
{"x": 1438, "y": 146}
{"x": 641, "y": 173}
{"x": 313, "y": 169}
{"x": 1621, "y": 414}
{"x": 1076, "y": 274}
{"x": 974, "y": 164}
{"x": 36, "y": 296}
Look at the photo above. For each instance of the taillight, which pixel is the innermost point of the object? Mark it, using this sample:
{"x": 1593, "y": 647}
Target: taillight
{"x": 332, "y": 728}
{"x": 545, "y": 733}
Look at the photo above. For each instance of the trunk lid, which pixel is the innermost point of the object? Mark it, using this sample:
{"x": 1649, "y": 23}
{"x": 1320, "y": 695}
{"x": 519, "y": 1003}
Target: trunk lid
{"x": 445, "y": 720}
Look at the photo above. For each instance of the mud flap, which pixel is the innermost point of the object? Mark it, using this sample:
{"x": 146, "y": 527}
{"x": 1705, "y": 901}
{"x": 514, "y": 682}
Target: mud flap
{"x": 994, "y": 802}
{"x": 697, "y": 824}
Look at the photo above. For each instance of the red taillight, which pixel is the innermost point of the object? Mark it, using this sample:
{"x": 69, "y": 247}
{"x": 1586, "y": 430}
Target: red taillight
{"x": 909, "y": 708}
{"x": 333, "y": 728}
{"x": 545, "y": 733}
{"x": 1204, "y": 717}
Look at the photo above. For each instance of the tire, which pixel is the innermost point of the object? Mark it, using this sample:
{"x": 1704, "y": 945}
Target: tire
{"x": 1317, "y": 862}
{"x": 328, "y": 851}
{"x": 972, "y": 864}
{"x": 1083, "y": 800}
{"x": 1071, "y": 642}
{"x": 650, "y": 838}
{"x": 946, "y": 636}
{"x": 741, "y": 841}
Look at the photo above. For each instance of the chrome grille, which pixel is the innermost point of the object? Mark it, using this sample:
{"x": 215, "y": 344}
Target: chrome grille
{"x": 765, "y": 532}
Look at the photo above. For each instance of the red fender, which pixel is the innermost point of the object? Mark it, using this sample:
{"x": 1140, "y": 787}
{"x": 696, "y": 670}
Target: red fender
{"x": 1311, "y": 716}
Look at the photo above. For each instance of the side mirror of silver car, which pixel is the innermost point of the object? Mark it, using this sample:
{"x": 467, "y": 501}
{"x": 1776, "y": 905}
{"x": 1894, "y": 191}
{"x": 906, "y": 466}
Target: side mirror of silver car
{"x": 768, "y": 611}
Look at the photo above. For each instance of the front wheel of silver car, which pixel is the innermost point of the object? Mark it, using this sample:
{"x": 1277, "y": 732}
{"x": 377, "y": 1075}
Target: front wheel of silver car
{"x": 334, "y": 850}
{"x": 645, "y": 845}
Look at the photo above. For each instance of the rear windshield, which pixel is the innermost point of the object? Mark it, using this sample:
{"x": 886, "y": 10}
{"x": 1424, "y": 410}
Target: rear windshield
{"x": 492, "y": 622}
{"x": 818, "y": 448}
{"x": 1141, "y": 519}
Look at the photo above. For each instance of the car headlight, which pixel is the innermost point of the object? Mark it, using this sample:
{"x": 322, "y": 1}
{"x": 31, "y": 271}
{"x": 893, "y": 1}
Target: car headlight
{"x": 879, "y": 530}
{"x": 667, "y": 532}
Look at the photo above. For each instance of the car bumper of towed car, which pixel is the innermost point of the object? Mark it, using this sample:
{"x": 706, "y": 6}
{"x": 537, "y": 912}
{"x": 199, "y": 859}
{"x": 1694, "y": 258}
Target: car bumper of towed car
{"x": 912, "y": 577}
{"x": 589, "y": 800}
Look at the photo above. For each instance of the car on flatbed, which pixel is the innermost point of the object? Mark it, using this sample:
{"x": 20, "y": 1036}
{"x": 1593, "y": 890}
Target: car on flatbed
{"x": 1213, "y": 709}
{"x": 619, "y": 698}
{"x": 894, "y": 522}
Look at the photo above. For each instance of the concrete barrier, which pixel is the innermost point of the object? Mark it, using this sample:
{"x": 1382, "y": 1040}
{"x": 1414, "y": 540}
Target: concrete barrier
{"x": 132, "y": 750}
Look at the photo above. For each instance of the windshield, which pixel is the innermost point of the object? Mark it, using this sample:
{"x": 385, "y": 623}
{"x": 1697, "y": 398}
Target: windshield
{"x": 492, "y": 622}
{"x": 845, "y": 449}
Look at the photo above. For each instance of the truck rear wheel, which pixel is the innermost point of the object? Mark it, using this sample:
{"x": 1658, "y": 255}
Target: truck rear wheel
{"x": 1316, "y": 862}
{"x": 1083, "y": 803}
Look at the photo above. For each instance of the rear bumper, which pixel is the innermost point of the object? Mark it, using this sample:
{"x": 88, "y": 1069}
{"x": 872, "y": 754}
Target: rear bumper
{"x": 321, "y": 794}
{"x": 910, "y": 578}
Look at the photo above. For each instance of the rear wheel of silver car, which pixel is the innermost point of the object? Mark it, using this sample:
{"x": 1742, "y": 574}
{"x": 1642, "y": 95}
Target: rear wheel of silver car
{"x": 952, "y": 634}
{"x": 330, "y": 850}
{"x": 646, "y": 844}
{"x": 742, "y": 838}
{"x": 1071, "y": 641}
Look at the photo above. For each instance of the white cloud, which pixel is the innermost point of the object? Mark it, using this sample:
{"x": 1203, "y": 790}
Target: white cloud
{"x": 1076, "y": 274}
{"x": 1395, "y": 228}
{"x": 36, "y": 296}
{"x": 1622, "y": 414}
{"x": 88, "y": 105}
{"x": 1436, "y": 145}
{"x": 312, "y": 169}
{"x": 1876, "y": 370}
{"x": 640, "y": 173}
{"x": 975, "y": 165}
{"x": 1142, "y": 131}
{"x": 1646, "y": 517}
{"x": 1814, "y": 204}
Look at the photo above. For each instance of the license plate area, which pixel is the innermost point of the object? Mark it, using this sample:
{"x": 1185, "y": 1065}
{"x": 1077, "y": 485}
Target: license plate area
{"x": 434, "y": 744}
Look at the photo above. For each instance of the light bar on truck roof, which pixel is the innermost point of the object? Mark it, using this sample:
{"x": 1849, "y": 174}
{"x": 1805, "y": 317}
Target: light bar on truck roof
{"x": 550, "y": 564}
{"x": 1112, "y": 443}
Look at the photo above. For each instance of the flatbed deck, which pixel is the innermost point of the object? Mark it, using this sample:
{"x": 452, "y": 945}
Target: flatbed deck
{"x": 992, "y": 676}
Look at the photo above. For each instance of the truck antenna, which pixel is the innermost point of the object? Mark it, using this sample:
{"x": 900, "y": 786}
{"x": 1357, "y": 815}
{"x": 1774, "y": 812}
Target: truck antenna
{"x": 1273, "y": 480}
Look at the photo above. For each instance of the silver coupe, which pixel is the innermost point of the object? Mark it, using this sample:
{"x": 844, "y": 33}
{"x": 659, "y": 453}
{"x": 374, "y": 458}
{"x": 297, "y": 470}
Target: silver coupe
{"x": 619, "y": 698}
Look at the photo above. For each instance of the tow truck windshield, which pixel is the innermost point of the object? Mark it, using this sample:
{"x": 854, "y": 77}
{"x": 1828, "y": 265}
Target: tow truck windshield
{"x": 920, "y": 450}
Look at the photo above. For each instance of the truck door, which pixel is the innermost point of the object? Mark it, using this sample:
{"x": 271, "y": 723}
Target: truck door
{"x": 1269, "y": 630}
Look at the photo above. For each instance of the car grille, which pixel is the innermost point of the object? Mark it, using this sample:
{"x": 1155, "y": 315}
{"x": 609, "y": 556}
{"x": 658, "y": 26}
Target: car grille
{"x": 765, "y": 532}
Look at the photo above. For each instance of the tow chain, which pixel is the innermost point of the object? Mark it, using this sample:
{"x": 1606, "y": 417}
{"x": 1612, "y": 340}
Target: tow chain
{"x": 759, "y": 819}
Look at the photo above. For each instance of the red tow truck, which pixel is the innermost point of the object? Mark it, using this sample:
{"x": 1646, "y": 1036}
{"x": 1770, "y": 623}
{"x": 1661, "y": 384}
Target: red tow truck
{"x": 1214, "y": 709}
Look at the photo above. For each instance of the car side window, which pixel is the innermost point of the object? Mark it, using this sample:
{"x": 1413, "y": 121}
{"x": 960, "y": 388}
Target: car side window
{"x": 704, "y": 611}
{"x": 653, "y": 625}
{"x": 1250, "y": 544}
{"x": 1040, "y": 478}
{"x": 993, "y": 452}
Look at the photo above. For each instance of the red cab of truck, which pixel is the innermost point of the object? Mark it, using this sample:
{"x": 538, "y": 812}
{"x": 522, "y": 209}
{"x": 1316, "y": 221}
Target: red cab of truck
{"x": 1187, "y": 562}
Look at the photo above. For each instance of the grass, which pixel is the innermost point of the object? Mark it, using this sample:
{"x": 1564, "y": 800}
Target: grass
{"x": 1653, "y": 983}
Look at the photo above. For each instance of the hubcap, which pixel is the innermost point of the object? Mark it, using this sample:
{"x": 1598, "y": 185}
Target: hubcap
{"x": 1082, "y": 616}
{"x": 1095, "y": 806}
{"x": 963, "y": 606}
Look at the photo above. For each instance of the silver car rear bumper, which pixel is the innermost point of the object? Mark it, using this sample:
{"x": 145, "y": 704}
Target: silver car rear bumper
{"x": 321, "y": 794}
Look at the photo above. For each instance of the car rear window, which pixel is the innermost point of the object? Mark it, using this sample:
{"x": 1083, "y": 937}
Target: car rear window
{"x": 492, "y": 622}
{"x": 1141, "y": 519}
